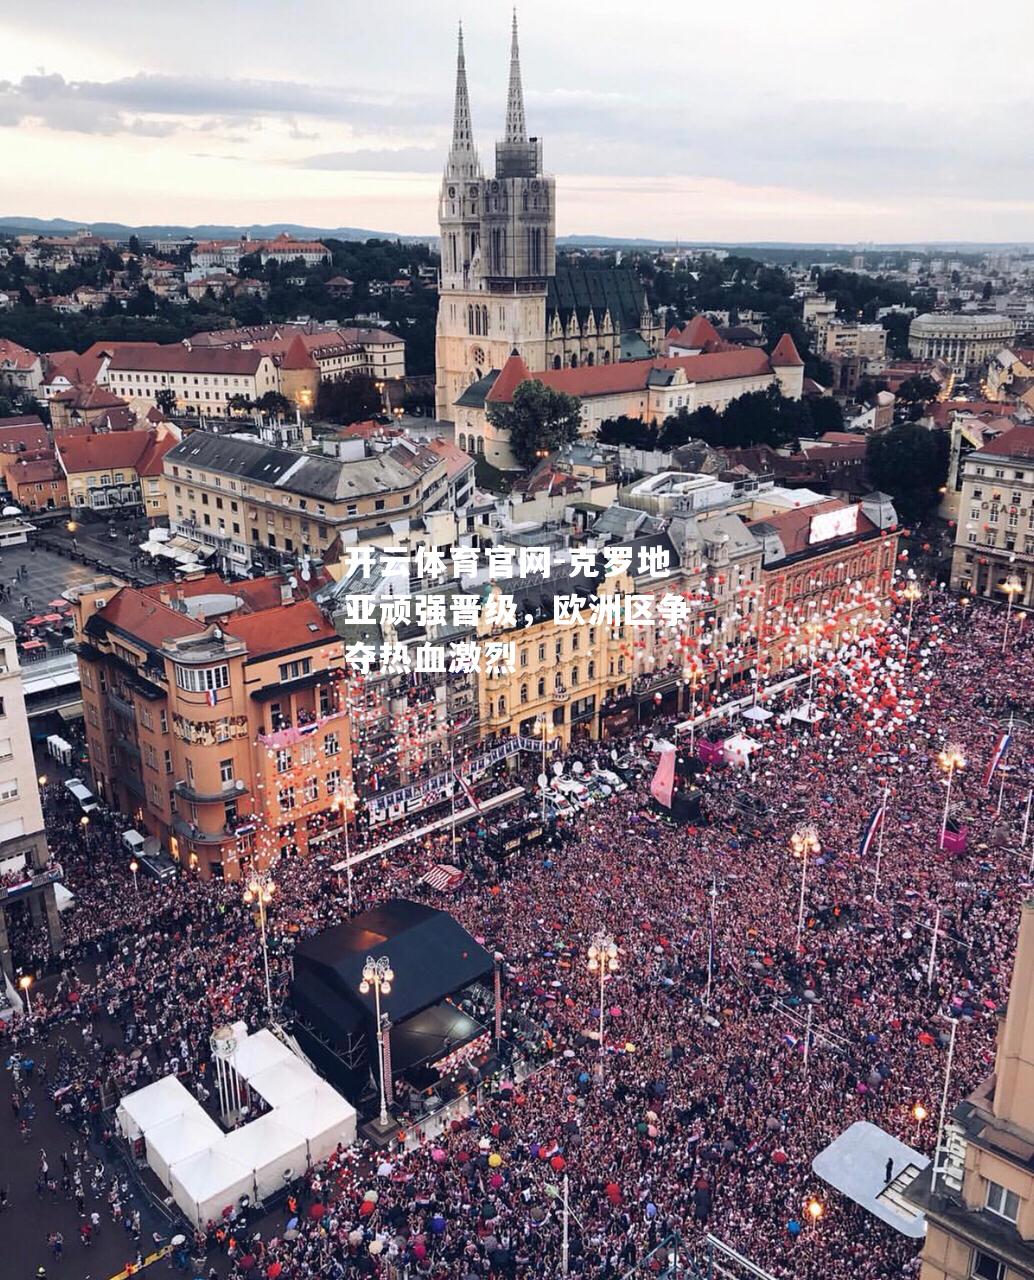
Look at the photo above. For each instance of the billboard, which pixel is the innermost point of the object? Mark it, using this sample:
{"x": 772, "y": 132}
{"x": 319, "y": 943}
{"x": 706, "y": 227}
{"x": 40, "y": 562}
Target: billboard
{"x": 833, "y": 524}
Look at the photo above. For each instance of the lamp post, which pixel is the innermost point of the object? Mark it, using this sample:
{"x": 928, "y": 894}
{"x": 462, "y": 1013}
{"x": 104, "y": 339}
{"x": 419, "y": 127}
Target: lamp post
{"x": 919, "y": 1114}
{"x": 540, "y": 731}
{"x": 950, "y": 759}
{"x": 1012, "y": 587}
{"x": 803, "y": 842}
{"x": 912, "y": 592}
{"x": 692, "y": 675}
{"x": 812, "y": 630}
{"x": 25, "y": 982}
{"x": 344, "y": 802}
{"x": 378, "y": 976}
{"x": 134, "y": 866}
{"x": 815, "y": 1211}
{"x": 603, "y": 959}
{"x": 261, "y": 889}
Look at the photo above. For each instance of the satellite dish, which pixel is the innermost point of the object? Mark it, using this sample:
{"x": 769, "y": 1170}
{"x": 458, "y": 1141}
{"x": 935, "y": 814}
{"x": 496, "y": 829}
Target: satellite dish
{"x": 578, "y": 767}
{"x": 218, "y": 633}
{"x": 558, "y": 768}
{"x": 292, "y": 582}
{"x": 543, "y": 780}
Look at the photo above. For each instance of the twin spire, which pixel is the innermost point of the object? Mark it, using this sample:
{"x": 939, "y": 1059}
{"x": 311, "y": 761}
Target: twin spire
{"x": 462, "y": 132}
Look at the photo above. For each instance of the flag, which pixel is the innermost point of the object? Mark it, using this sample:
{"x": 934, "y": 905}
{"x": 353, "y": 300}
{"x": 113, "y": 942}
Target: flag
{"x": 869, "y": 834}
{"x": 664, "y": 779}
{"x": 996, "y": 759}
{"x": 210, "y": 697}
{"x": 467, "y": 791}
{"x": 790, "y": 1041}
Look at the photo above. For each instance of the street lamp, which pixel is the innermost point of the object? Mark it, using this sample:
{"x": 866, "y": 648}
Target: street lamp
{"x": 815, "y": 1210}
{"x": 919, "y": 1114}
{"x": 378, "y": 975}
{"x": 540, "y": 731}
{"x": 84, "y": 821}
{"x": 1012, "y": 587}
{"x": 603, "y": 959}
{"x": 260, "y": 890}
{"x": 25, "y": 982}
{"x": 912, "y": 592}
{"x": 344, "y": 803}
{"x": 42, "y": 779}
{"x": 950, "y": 759}
{"x": 692, "y": 675}
{"x": 134, "y": 866}
{"x": 803, "y": 842}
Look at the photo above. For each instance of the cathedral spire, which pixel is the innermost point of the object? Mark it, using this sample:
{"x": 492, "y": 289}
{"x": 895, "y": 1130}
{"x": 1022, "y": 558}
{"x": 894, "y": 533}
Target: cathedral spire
{"x": 515, "y": 127}
{"x": 462, "y": 134}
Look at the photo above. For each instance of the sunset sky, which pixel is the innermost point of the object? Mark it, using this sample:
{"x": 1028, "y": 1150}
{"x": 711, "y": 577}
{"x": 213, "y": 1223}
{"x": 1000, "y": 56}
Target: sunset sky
{"x": 749, "y": 121}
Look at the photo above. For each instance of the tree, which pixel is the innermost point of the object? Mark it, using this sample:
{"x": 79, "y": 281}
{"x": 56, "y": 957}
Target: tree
{"x": 633, "y": 433}
{"x": 274, "y": 404}
{"x": 538, "y": 419}
{"x": 826, "y": 414}
{"x": 238, "y": 404}
{"x": 134, "y": 245}
{"x": 918, "y": 389}
{"x": 348, "y": 400}
{"x": 165, "y": 399}
{"x": 911, "y": 464}
{"x": 679, "y": 428}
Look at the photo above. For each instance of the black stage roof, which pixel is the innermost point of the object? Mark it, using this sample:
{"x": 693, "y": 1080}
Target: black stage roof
{"x": 431, "y": 953}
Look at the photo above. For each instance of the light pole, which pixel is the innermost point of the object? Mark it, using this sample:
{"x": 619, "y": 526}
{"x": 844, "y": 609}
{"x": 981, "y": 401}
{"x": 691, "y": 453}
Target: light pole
{"x": 812, "y": 630}
{"x": 1012, "y": 587}
{"x": 919, "y": 1114}
{"x": 603, "y": 959}
{"x": 950, "y": 759}
{"x": 540, "y": 730}
{"x": 261, "y": 889}
{"x": 25, "y": 982}
{"x": 134, "y": 866}
{"x": 693, "y": 674}
{"x": 815, "y": 1211}
{"x": 378, "y": 976}
{"x": 803, "y": 842}
{"x": 344, "y": 802}
{"x": 912, "y": 592}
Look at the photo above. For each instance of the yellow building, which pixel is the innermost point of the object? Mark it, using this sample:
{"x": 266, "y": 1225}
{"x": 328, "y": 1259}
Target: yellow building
{"x": 562, "y": 674}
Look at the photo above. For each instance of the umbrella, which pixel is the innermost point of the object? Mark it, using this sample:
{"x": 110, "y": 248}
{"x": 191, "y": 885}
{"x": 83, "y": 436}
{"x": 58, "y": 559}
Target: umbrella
{"x": 292, "y": 1233}
{"x": 274, "y": 1269}
{"x": 384, "y": 1169}
{"x": 317, "y": 1210}
{"x": 176, "y": 1241}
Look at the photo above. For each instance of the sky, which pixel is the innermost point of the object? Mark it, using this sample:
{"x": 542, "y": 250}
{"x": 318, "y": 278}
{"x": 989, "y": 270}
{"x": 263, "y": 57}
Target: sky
{"x": 894, "y": 120}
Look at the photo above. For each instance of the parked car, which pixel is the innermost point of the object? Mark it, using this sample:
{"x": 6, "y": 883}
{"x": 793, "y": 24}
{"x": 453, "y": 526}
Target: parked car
{"x": 81, "y": 793}
{"x": 612, "y": 779}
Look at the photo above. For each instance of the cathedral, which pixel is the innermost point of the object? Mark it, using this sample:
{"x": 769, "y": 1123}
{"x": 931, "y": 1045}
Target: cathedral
{"x": 501, "y": 289}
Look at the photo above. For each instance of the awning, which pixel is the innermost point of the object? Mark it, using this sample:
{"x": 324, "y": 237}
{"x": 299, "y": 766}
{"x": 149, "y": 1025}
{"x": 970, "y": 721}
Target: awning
{"x": 443, "y": 876}
{"x": 183, "y": 550}
{"x": 758, "y": 714}
{"x": 857, "y": 1164}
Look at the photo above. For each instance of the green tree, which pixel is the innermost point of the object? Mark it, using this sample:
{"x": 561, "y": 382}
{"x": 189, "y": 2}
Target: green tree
{"x": 679, "y": 428}
{"x": 633, "y": 433}
{"x": 348, "y": 400}
{"x": 918, "y": 389}
{"x": 538, "y": 420}
{"x": 238, "y": 404}
{"x": 911, "y": 464}
{"x": 826, "y": 414}
{"x": 274, "y": 404}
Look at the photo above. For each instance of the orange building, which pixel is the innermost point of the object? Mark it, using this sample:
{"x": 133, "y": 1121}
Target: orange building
{"x": 215, "y": 715}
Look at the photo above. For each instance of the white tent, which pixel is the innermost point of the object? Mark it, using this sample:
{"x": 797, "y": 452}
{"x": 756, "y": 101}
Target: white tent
{"x": 174, "y": 1140}
{"x": 283, "y": 1081}
{"x": 274, "y": 1153}
{"x": 153, "y": 1105}
{"x": 739, "y": 748}
{"x": 758, "y": 714}
{"x": 256, "y": 1053}
{"x": 323, "y": 1119}
{"x": 204, "y": 1184}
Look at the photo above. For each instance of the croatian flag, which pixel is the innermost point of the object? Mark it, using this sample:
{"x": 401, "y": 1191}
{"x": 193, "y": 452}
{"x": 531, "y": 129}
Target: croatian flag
{"x": 996, "y": 759}
{"x": 210, "y": 697}
{"x": 869, "y": 834}
{"x": 467, "y": 791}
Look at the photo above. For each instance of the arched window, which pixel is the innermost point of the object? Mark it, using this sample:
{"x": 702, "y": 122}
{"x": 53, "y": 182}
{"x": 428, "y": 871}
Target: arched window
{"x": 557, "y": 362}
{"x": 463, "y": 442}
{"x": 574, "y": 360}
{"x": 590, "y": 359}
{"x": 470, "y": 319}
{"x": 524, "y": 694}
{"x": 542, "y": 687}
{"x": 502, "y": 706}
{"x": 606, "y": 357}
{"x": 481, "y": 445}
{"x": 484, "y": 321}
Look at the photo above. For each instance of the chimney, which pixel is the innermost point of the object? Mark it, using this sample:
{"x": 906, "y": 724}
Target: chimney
{"x": 164, "y": 596}
{"x": 286, "y": 593}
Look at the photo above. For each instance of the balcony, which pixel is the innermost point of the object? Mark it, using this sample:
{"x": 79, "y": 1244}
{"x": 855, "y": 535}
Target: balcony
{"x": 290, "y": 734}
{"x": 188, "y": 831}
{"x": 560, "y": 693}
{"x": 120, "y": 706}
{"x": 229, "y": 791}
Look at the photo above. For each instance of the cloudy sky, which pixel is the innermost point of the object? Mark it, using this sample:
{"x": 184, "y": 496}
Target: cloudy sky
{"x": 889, "y": 120}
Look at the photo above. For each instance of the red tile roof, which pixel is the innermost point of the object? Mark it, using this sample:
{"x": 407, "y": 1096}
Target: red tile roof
{"x": 147, "y": 619}
{"x": 699, "y": 333}
{"x": 40, "y": 469}
{"x": 25, "y": 432}
{"x": 176, "y": 358}
{"x": 1017, "y": 443}
{"x": 89, "y": 396}
{"x": 456, "y": 460}
{"x": 290, "y": 626}
{"x": 785, "y": 354}
{"x": 84, "y": 451}
{"x": 15, "y": 356}
{"x": 512, "y": 374}
{"x": 794, "y": 527}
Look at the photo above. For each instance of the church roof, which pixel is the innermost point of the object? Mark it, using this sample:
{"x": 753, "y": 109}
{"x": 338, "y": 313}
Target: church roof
{"x": 581, "y": 290}
{"x": 474, "y": 396}
{"x": 514, "y": 372}
{"x": 700, "y": 334}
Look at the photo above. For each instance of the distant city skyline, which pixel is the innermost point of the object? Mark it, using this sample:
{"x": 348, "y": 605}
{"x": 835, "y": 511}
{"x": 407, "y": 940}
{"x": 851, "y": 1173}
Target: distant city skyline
{"x": 742, "y": 123}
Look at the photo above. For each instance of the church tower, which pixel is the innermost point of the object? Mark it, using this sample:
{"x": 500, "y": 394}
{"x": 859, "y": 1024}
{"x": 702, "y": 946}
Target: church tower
{"x": 498, "y": 248}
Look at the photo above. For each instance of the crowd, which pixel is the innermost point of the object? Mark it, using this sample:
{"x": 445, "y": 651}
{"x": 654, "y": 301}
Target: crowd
{"x": 708, "y": 1112}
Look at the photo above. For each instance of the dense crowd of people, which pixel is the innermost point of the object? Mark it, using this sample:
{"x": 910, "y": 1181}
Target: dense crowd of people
{"x": 700, "y": 1111}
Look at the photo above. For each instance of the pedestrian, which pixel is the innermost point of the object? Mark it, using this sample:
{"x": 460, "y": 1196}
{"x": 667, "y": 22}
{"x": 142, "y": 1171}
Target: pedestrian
{"x": 888, "y": 1172}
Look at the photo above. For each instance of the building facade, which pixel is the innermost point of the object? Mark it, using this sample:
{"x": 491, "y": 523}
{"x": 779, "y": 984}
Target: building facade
{"x": 965, "y": 342}
{"x": 203, "y": 380}
{"x": 994, "y": 537}
{"x": 500, "y": 289}
{"x": 114, "y": 472}
{"x": 978, "y": 1196}
{"x": 215, "y": 714}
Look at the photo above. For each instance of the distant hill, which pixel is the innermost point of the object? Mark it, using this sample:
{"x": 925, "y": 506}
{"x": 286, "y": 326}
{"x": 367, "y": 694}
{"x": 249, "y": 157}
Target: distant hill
{"x": 206, "y": 231}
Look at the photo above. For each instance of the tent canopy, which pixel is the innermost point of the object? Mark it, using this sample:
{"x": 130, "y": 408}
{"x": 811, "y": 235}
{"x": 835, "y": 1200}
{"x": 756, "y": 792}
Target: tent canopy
{"x": 164, "y": 1100}
{"x": 259, "y": 1052}
{"x": 273, "y": 1152}
{"x": 204, "y": 1184}
{"x": 178, "y": 1138}
{"x": 283, "y": 1081}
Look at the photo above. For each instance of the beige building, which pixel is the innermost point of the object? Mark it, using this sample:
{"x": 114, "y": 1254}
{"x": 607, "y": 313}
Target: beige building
{"x": 979, "y": 1196}
{"x": 26, "y": 874}
{"x": 500, "y": 288}
{"x": 966, "y": 342}
{"x": 867, "y": 341}
{"x": 994, "y": 537}
{"x": 250, "y": 503}
{"x": 203, "y": 380}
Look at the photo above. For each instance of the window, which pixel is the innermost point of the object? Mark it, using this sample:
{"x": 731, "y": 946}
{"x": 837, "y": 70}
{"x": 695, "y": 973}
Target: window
{"x": 225, "y": 771}
{"x": 5, "y": 749}
{"x": 333, "y": 781}
{"x": 312, "y": 789}
{"x": 292, "y": 670}
{"x": 283, "y": 760}
{"x": 286, "y": 798}
{"x": 331, "y": 745}
{"x": 167, "y": 760}
{"x": 542, "y": 687}
{"x": 524, "y": 693}
{"x": 202, "y": 679}
{"x": 163, "y": 720}
{"x": 8, "y": 791}
{"x": 1002, "y": 1201}
{"x": 987, "y": 1268}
